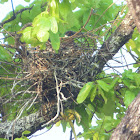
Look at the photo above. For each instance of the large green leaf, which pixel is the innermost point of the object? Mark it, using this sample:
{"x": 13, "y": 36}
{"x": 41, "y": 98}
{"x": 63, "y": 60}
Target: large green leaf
{"x": 84, "y": 92}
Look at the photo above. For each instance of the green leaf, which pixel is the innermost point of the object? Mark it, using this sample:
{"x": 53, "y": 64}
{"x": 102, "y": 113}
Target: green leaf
{"x": 4, "y": 55}
{"x": 43, "y": 46}
{"x": 3, "y": 1}
{"x": 96, "y": 136}
{"x": 72, "y": 20}
{"x": 55, "y": 41}
{"x": 103, "y": 85}
{"x": 26, "y": 132}
{"x": 27, "y": 35}
{"x": 134, "y": 47}
{"x": 64, "y": 125}
{"x": 100, "y": 92}
{"x": 93, "y": 93}
{"x": 65, "y": 8}
{"x": 84, "y": 92}
{"x": 3, "y": 139}
{"x": 84, "y": 117}
{"x": 71, "y": 1}
{"x": 43, "y": 22}
{"x": 137, "y": 79}
{"x": 129, "y": 97}
{"x": 43, "y": 34}
{"x": 114, "y": 82}
{"x": 127, "y": 82}
{"x": 109, "y": 108}
{"x": 54, "y": 26}
{"x": 90, "y": 109}
{"x": 19, "y": 139}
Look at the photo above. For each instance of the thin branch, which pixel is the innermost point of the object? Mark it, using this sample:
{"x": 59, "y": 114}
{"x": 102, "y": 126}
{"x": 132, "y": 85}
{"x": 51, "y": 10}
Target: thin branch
{"x": 13, "y": 8}
{"x": 14, "y": 16}
{"x": 58, "y": 102}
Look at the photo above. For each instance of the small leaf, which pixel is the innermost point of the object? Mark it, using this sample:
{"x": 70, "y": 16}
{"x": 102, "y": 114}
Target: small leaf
{"x": 64, "y": 125}
{"x": 26, "y": 132}
{"x": 114, "y": 82}
{"x": 103, "y": 85}
{"x": 90, "y": 109}
{"x": 93, "y": 93}
{"x": 84, "y": 92}
{"x": 129, "y": 97}
{"x": 58, "y": 123}
{"x": 19, "y": 139}
{"x": 100, "y": 91}
{"x": 54, "y": 26}
{"x": 75, "y": 113}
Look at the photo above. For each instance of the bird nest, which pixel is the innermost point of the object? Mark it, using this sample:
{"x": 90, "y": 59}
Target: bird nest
{"x": 47, "y": 72}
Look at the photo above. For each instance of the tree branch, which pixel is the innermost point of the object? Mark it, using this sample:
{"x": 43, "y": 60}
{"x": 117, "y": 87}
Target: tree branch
{"x": 14, "y": 16}
{"x": 112, "y": 45}
{"x": 129, "y": 128}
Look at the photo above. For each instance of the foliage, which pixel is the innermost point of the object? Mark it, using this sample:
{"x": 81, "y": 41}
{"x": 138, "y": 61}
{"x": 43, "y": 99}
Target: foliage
{"x": 23, "y": 137}
{"x": 106, "y": 98}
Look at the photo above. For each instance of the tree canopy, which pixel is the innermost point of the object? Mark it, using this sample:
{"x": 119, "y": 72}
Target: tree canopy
{"x": 55, "y": 68}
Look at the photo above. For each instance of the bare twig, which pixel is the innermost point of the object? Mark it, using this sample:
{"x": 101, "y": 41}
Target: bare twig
{"x": 58, "y": 102}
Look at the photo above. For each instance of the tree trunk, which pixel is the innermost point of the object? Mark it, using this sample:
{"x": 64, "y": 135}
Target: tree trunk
{"x": 129, "y": 128}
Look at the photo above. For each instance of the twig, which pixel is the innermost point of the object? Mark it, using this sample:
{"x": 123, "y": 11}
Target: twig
{"x": 13, "y": 7}
{"x": 103, "y": 14}
{"x": 58, "y": 102}
{"x": 32, "y": 102}
{"x": 18, "y": 116}
{"x": 14, "y": 16}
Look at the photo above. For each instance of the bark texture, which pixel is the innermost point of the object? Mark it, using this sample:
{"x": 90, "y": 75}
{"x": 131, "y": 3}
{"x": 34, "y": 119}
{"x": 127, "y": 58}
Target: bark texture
{"x": 129, "y": 128}
{"x": 134, "y": 8}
